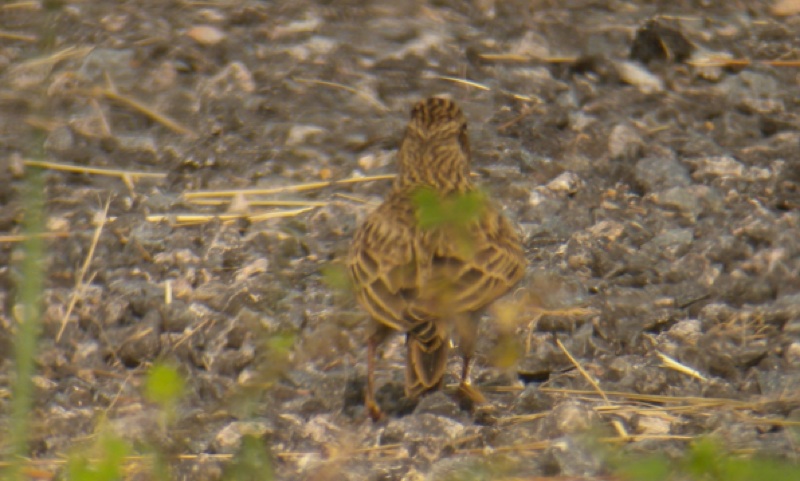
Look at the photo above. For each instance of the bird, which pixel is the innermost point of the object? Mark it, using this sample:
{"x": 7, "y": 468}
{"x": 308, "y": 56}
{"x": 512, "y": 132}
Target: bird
{"x": 434, "y": 255}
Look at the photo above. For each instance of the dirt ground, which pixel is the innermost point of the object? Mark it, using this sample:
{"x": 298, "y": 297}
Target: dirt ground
{"x": 654, "y": 172}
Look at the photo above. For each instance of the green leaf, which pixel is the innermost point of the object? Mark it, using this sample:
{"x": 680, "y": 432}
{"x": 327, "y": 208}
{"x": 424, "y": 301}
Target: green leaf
{"x": 103, "y": 462}
{"x": 164, "y": 385}
{"x": 336, "y": 277}
{"x": 430, "y": 209}
{"x": 649, "y": 469}
{"x": 281, "y": 344}
{"x": 252, "y": 462}
{"x": 704, "y": 458}
{"x": 468, "y": 207}
{"x": 455, "y": 210}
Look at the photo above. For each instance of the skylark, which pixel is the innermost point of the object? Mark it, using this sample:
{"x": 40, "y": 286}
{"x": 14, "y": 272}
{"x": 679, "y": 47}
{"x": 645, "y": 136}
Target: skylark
{"x": 434, "y": 255}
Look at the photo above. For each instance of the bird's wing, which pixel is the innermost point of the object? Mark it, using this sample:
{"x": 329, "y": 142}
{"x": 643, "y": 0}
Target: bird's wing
{"x": 471, "y": 267}
{"x": 382, "y": 263}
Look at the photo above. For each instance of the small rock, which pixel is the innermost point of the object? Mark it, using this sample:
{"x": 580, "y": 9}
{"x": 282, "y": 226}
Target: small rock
{"x": 142, "y": 344}
{"x": 206, "y": 34}
{"x": 571, "y": 417}
{"x": 687, "y": 331}
{"x": 652, "y": 425}
{"x": 723, "y": 166}
{"x": 572, "y": 459}
{"x": 322, "y": 430}
{"x": 532, "y": 400}
{"x": 777, "y": 384}
{"x": 143, "y": 147}
{"x": 656, "y": 173}
{"x": 624, "y": 142}
{"x": 440, "y": 404}
{"x": 710, "y": 65}
{"x": 86, "y": 354}
{"x": 16, "y": 166}
{"x": 671, "y": 244}
{"x": 792, "y": 354}
{"x": 637, "y": 75}
{"x": 681, "y": 199}
{"x": 137, "y": 424}
{"x": 59, "y": 140}
{"x": 308, "y": 24}
{"x": 259, "y": 266}
{"x": 566, "y": 182}
{"x": 115, "y": 22}
{"x": 103, "y": 62}
{"x": 424, "y": 435}
{"x": 230, "y": 436}
{"x": 300, "y": 134}
{"x": 210, "y": 15}
{"x": 235, "y": 78}
{"x": 658, "y": 41}
{"x": 785, "y": 8}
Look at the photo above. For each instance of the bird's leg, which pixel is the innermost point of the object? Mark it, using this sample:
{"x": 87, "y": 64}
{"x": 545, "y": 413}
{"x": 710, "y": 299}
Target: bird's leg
{"x": 369, "y": 397}
{"x": 468, "y": 332}
{"x": 374, "y": 340}
{"x": 466, "y": 388}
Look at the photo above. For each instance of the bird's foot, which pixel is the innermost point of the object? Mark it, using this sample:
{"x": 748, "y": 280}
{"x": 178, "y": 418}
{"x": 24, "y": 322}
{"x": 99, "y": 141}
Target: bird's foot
{"x": 468, "y": 391}
{"x": 374, "y": 411}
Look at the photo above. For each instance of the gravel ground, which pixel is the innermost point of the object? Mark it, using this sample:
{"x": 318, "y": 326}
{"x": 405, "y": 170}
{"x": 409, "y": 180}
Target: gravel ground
{"x": 656, "y": 181}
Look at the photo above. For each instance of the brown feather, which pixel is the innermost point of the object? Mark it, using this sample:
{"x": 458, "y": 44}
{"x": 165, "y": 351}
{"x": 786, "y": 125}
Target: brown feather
{"x": 420, "y": 280}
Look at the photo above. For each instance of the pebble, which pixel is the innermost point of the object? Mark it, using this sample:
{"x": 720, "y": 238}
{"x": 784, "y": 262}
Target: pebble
{"x": 656, "y": 173}
{"x": 59, "y": 140}
{"x": 624, "y": 142}
{"x": 206, "y": 35}
{"x": 230, "y": 436}
{"x": 636, "y": 74}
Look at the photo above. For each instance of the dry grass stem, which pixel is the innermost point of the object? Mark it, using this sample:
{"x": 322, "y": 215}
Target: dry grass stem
{"x": 143, "y": 109}
{"x": 535, "y": 446}
{"x": 263, "y": 203}
{"x": 117, "y": 396}
{"x": 191, "y": 332}
{"x": 618, "y": 426}
{"x": 369, "y": 98}
{"x": 167, "y": 292}
{"x": 22, "y": 37}
{"x": 516, "y": 58}
{"x": 583, "y": 372}
{"x": 30, "y": 5}
{"x": 54, "y": 58}
{"x": 358, "y": 200}
{"x": 522, "y": 418}
{"x": 461, "y": 81}
{"x": 279, "y": 190}
{"x": 670, "y": 363}
{"x": 48, "y": 124}
{"x": 79, "y": 282}
{"x": 23, "y": 238}
{"x": 79, "y": 169}
{"x": 643, "y": 437}
{"x": 727, "y": 62}
{"x": 191, "y": 219}
{"x": 696, "y": 403}
{"x": 526, "y": 111}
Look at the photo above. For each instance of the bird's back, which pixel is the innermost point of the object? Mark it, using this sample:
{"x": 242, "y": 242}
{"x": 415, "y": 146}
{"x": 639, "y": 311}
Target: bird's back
{"x": 406, "y": 274}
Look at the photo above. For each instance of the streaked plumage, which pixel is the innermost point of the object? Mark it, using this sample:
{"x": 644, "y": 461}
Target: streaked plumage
{"x": 430, "y": 281}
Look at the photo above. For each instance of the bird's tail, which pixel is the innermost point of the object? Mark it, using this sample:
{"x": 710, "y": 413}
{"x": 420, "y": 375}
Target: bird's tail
{"x": 427, "y": 348}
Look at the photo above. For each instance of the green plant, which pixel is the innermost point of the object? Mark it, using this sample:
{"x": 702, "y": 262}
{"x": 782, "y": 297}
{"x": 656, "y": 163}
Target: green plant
{"x": 251, "y": 462}
{"x": 164, "y": 386}
{"x": 706, "y": 460}
{"x": 102, "y": 462}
